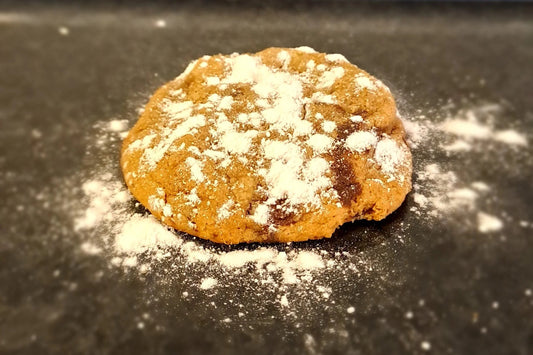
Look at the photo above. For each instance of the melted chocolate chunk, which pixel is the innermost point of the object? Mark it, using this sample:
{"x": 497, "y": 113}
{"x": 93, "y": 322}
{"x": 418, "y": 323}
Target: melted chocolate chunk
{"x": 345, "y": 181}
{"x": 368, "y": 211}
{"x": 344, "y": 130}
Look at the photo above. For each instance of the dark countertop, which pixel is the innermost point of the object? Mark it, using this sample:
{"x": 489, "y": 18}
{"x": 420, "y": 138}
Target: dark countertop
{"x": 54, "y": 299}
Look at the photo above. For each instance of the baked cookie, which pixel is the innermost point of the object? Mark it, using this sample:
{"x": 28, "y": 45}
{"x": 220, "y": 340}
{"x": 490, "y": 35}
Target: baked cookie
{"x": 278, "y": 146}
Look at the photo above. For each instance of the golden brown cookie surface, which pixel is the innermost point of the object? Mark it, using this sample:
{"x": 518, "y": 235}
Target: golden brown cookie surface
{"x": 283, "y": 145}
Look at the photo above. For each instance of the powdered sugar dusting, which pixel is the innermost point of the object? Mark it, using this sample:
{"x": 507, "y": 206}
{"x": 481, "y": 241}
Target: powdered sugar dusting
{"x": 105, "y": 194}
{"x": 440, "y": 192}
{"x": 153, "y": 155}
{"x": 288, "y": 179}
{"x": 306, "y": 49}
{"x": 389, "y": 155}
{"x": 208, "y": 283}
{"x": 225, "y": 211}
{"x": 488, "y": 223}
{"x": 511, "y": 137}
{"x": 144, "y": 233}
{"x": 320, "y": 143}
{"x": 196, "y": 169}
{"x": 338, "y": 58}
{"x": 467, "y": 128}
{"x": 363, "y": 82}
{"x": 329, "y": 78}
{"x": 361, "y": 141}
{"x": 329, "y": 126}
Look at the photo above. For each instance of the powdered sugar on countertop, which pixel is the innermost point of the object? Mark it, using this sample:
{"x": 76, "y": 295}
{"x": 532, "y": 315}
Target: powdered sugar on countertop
{"x": 467, "y": 129}
{"x": 122, "y": 236}
{"x": 439, "y": 190}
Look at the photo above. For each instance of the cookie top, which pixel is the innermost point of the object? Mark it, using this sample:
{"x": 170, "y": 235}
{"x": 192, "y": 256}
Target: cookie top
{"x": 282, "y": 145}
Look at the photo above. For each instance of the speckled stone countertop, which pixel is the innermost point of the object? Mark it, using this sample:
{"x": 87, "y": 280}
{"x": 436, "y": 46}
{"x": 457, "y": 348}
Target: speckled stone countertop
{"x": 442, "y": 288}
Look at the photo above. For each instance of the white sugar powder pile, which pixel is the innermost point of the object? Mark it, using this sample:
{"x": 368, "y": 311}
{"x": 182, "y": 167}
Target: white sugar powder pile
{"x": 488, "y": 223}
{"x": 106, "y": 195}
{"x": 477, "y": 124}
{"x": 208, "y": 283}
{"x": 144, "y": 233}
{"x": 438, "y": 192}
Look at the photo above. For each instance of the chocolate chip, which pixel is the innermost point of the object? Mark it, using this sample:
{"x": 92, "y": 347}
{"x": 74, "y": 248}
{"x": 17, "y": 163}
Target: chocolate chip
{"x": 345, "y": 181}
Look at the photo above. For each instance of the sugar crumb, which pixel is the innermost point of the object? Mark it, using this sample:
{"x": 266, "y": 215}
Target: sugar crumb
{"x": 208, "y": 283}
{"x": 488, "y": 223}
{"x": 63, "y": 31}
{"x": 425, "y": 345}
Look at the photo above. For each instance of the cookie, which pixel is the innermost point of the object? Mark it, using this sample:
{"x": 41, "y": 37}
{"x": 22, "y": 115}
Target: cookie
{"x": 278, "y": 146}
